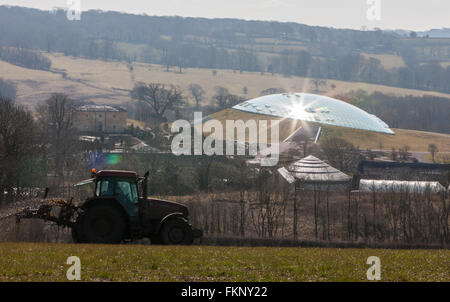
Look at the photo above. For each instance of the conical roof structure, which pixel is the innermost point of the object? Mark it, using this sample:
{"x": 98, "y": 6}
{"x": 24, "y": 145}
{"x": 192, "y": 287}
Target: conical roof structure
{"x": 313, "y": 170}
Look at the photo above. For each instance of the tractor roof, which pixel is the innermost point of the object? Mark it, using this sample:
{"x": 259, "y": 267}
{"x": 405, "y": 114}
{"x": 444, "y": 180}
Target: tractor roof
{"x": 116, "y": 173}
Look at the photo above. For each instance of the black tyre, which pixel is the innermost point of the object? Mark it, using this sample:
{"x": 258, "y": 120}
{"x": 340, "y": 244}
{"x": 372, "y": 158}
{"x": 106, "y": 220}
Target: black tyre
{"x": 75, "y": 237}
{"x": 101, "y": 224}
{"x": 176, "y": 231}
{"x": 76, "y": 229}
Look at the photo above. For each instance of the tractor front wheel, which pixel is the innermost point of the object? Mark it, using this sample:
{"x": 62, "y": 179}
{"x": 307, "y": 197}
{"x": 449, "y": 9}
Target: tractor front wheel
{"x": 176, "y": 231}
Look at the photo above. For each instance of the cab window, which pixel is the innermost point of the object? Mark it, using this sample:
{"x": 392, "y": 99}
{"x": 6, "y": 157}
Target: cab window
{"x": 105, "y": 187}
{"x": 127, "y": 191}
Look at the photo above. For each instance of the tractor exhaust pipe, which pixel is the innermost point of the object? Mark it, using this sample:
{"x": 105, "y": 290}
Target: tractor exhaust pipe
{"x": 144, "y": 185}
{"x": 46, "y": 192}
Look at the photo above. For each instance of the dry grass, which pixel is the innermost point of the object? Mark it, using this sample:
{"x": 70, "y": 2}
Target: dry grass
{"x": 388, "y": 61}
{"x": 416, "y": 140}
{"x": 108, "y": 82}
{"x": 47, "y": 262}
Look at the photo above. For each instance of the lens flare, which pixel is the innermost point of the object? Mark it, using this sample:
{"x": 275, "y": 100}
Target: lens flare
{"x": 112, "y": 159}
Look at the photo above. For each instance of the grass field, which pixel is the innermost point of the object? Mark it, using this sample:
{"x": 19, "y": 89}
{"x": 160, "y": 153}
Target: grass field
{"x": 109, "y": 82}
{"x": 47, "y": 262}
{"x": 388, "y": 61}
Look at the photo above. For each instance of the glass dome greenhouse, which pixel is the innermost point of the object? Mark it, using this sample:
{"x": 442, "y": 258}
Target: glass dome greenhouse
{"x": 314, "y": 108}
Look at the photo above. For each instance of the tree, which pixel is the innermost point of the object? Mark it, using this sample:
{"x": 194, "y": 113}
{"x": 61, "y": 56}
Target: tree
{"x": 158, "y": 97}
{"x": 18, "y": 142}
{"x": 394, "y": 154}
{"x": 56, "y": 118}
{"x": 317, "y": 83}
{"x": 272, "y": 91}
{"x": 413, "y": 34}
{"x": 221, "y": 96}
{"x": 225, "y": 99}
{"x": 7, "y": 89}
{"x": 403, "y": 153}
{"x": 197, "y": 92}
{"x": 340, "y": 153}
{"x": 433, "y": 149}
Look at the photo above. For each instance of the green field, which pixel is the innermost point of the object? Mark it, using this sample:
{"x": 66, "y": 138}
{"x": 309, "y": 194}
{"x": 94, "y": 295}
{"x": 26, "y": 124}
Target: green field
{"x": 47, "y": 262}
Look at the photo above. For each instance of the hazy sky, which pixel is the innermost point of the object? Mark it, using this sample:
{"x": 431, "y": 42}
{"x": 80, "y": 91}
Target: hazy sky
{"x": 394, "y": 14}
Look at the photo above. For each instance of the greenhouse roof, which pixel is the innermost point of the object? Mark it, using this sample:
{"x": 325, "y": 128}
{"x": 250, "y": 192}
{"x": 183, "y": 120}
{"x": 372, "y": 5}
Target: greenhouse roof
{"x": 400, "y": 186}
{"x": 314, "y": 108}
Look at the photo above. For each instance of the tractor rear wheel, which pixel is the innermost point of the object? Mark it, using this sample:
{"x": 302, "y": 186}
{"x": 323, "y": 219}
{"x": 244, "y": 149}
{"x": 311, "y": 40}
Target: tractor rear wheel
{"x": 75, "y": 237}
{"x": 101, "y": 224}
{"x": 76, "y": 229}
{"x": 176, "y": 231}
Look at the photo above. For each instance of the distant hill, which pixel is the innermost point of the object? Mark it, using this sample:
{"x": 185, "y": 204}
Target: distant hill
{"x": 289, "y": 49}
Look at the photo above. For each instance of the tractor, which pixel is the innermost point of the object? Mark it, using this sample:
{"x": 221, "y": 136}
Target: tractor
{"x": 118, "y": 211}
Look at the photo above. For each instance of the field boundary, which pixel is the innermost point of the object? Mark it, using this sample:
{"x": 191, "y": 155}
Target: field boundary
{"x": 265, "y": 242}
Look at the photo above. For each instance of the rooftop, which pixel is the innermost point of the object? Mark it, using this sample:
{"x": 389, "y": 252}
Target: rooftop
{"x": 116, "y": 173}
{"x": 312, "y": 169}
{"x": 100, "y": 108}
{"x": 399, "y": 186}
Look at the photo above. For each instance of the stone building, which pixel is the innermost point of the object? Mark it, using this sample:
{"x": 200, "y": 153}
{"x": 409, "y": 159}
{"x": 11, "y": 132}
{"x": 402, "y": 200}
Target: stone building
{"x": 101, "y": 118}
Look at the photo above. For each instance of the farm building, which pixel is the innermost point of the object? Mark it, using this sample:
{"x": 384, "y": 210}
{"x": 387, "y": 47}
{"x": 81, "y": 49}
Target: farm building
{"x": 311, "y": 173}
{"x": 101, "y": 118}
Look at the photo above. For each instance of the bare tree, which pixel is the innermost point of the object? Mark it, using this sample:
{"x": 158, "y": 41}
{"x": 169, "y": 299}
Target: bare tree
{"x": 197, "y": 92}
{"x": 18, "y": 141}
{"x": 158, "y": 97}
{"x": 56, "y": 118}
{"x": 403, "y": 153}
{"x": 317, "y": 83}
{"x": 433, "y": 149}
{"x": 225, "y": 99}
{"x": 340, "y": 153}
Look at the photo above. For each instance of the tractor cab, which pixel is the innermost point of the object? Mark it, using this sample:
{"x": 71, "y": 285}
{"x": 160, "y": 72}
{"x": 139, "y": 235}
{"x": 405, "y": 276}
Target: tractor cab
{"x": 121, "y": 185}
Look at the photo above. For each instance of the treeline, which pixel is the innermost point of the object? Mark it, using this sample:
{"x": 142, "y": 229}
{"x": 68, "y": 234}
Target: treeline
{"x": 425, "y": 113}
{"x": 42, "y": 29}
{"x": 24, "y": 58}
{"x": 231, "y": 44}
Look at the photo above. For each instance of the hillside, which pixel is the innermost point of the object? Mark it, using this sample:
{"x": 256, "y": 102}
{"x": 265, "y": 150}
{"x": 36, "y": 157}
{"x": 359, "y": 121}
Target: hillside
{"x": 290, "y": 49}
{"x": 109, "y": 82}
{"x": 416, "y": 140}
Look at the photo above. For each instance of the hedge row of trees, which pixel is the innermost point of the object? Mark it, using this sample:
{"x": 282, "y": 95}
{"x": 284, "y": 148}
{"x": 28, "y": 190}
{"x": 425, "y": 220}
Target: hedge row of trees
{"x": 24, "y": 58}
